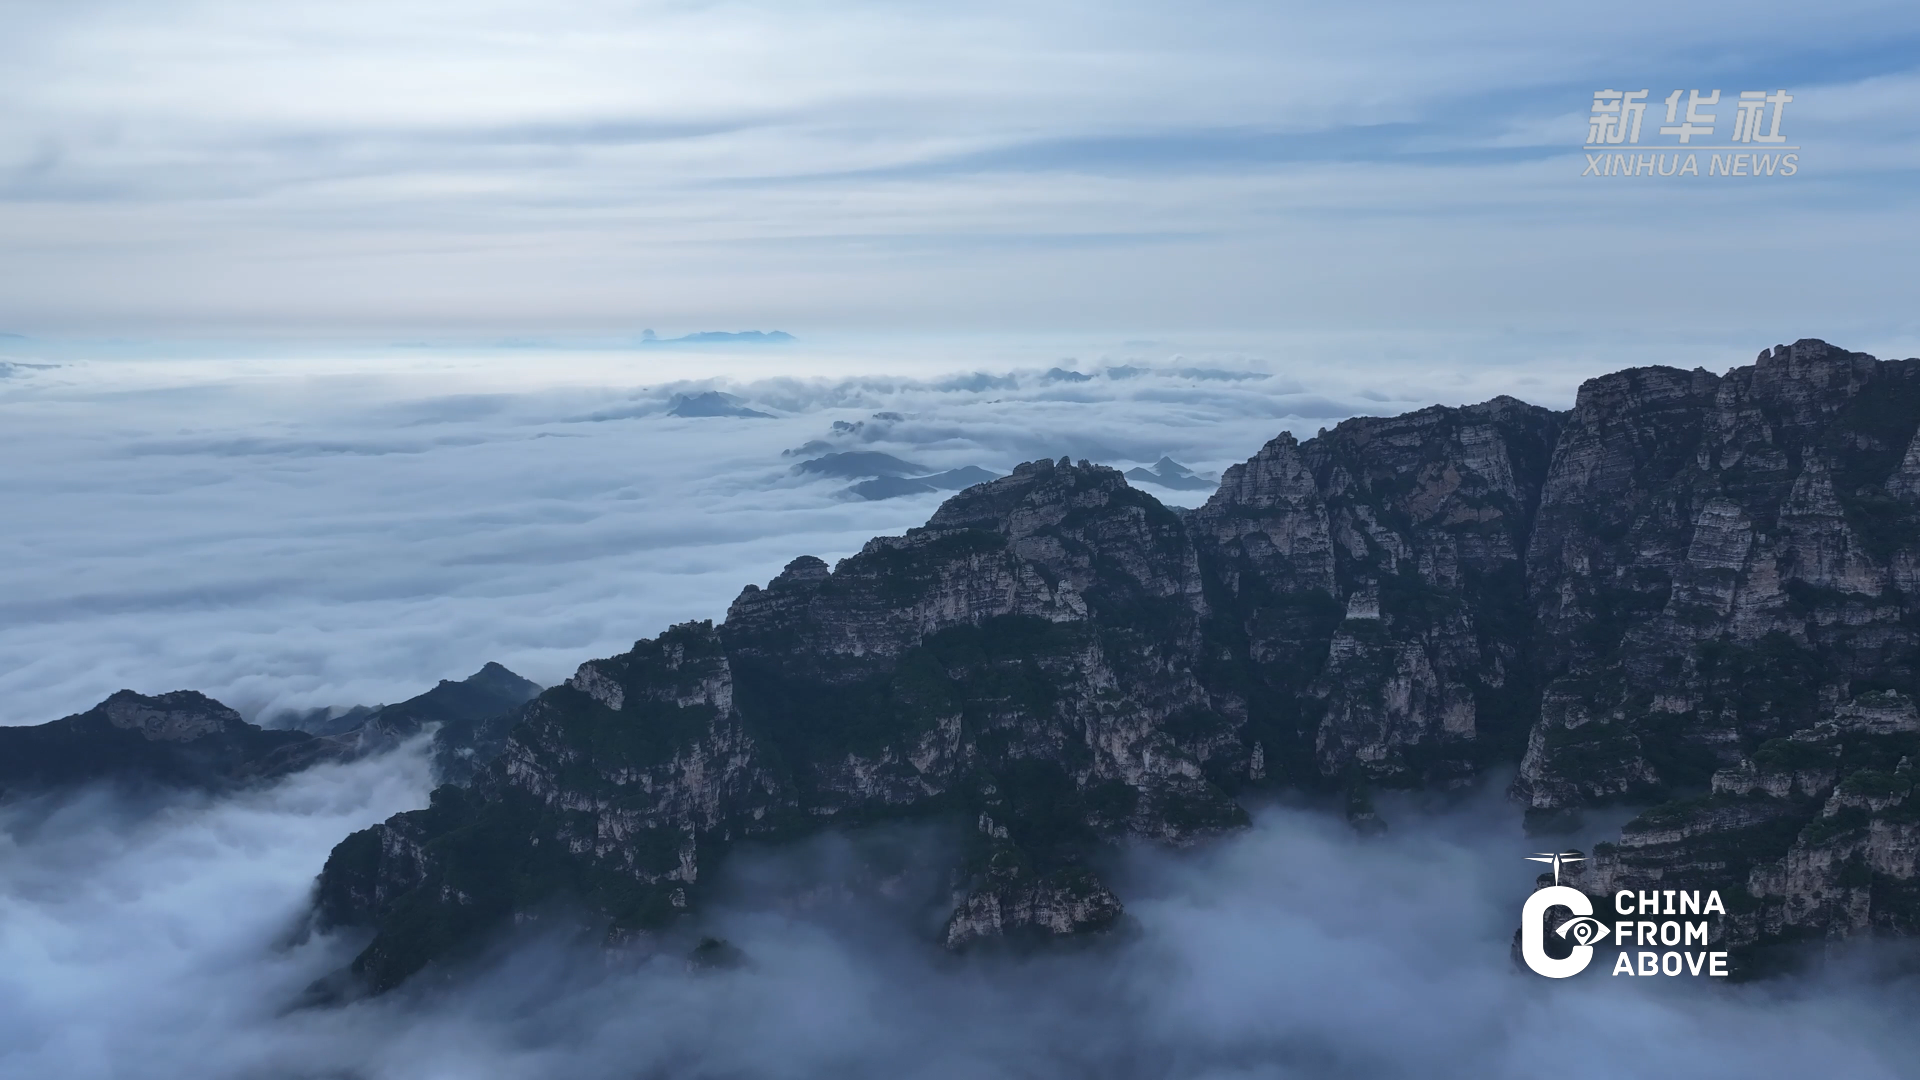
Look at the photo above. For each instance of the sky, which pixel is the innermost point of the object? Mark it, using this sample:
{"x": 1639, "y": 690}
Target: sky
{"x": 356, "y": 170}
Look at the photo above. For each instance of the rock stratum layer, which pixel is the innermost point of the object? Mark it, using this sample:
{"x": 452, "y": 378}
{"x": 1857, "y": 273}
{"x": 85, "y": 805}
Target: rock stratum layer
{"x": 1692, "y": 590}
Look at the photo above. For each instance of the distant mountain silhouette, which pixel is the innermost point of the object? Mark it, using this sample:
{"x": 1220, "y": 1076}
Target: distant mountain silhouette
{"x": 1169, "y": 473}
{"x": 712, "y": 403}
{"x": 889, "y": 477}
{"x": 185, "y": 739}
{"x": 888, "y": 487}
{"x": 720, "y": 337}
{"x": 859, "y": 463}
{"x": 473, "y": 715}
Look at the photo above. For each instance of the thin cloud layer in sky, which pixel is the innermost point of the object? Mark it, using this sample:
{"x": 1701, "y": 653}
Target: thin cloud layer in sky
{"x": 223, "y": 168}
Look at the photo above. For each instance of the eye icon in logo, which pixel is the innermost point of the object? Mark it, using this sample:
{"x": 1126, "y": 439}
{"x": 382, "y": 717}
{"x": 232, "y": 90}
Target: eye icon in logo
{"x": 1584, "y": 930}
{"x": 1581, "y": 929}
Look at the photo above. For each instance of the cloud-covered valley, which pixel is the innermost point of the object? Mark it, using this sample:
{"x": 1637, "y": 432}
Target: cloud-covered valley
{"x": 171, "y": 944}
{"x": 315, "y": 531}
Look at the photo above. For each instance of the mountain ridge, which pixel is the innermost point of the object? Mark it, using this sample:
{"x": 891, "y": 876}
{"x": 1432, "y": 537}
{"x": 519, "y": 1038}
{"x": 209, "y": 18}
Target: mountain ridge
{"x": 1594, "y": 596}
{"x": 184, "y": 739}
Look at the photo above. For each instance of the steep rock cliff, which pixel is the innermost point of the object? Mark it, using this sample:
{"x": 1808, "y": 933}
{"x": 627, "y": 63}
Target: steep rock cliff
{"x": 1690, "y": 586}
{"x": 1719, "y": 561}
{"x": 1374, "y": 590}
{"x": 1026, "y": 661}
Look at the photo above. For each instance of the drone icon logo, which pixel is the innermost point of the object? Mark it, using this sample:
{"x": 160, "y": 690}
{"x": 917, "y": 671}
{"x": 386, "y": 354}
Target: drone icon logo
{"x": 1557, "y": 859}
{"x": 1583, "y": 929}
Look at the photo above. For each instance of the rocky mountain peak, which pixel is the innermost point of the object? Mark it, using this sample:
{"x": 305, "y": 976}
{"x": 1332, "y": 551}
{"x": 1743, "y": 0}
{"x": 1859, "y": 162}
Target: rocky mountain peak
{"x": 1690, "y": 589}
{"x": 1813, "y": 360}
{"x": 1270, "y": 478}
{"x": 1038, "y": 495}
{"x": 806, "y": 569}
{"x": 182, "y": 739}
{"x": 180, "y": 716}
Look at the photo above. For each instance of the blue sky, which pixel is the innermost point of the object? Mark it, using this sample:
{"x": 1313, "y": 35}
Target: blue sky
{"x": 361, "y": 169}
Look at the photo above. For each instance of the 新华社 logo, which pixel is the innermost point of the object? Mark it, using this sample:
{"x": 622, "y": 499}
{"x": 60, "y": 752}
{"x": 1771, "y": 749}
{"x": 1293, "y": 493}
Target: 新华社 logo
{"x": 1752, "y": 142}
{"x": 1673, "y": 941}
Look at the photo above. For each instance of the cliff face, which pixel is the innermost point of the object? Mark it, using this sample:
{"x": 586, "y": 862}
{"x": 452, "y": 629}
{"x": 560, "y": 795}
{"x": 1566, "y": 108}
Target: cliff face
{"x": 1027, "y": 661}
{"x": 1373, "y": 584}
{"x": 1815, "y": 835}
{"x": 1717, "y": 562}
{"x": 1688, "y": 585}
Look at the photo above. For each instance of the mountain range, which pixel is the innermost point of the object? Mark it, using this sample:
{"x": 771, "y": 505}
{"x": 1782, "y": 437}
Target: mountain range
{"x": 1691, "y": 593}
{"x": 1170, "y": 474}
{"x": 185, "y": 739}
{"x": 719, "y": 337}
{"x": 712, "y": 403}
{"x": 888, "y": 477}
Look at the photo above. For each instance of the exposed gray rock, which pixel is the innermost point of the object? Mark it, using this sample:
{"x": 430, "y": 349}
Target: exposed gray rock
{"x": 1691, "y": 587}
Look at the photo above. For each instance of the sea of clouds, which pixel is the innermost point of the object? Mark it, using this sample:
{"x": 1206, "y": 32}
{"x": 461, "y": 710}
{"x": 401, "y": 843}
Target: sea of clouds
{"x": 284, "y": 530}
{"x": 172, "y": 944}
{"x": 295, "y": 531}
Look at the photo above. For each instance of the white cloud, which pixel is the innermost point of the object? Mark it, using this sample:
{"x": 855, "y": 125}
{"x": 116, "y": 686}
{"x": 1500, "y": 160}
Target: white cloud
{"x": 137, "y": 942}
{"x": 344, "y": 528}
{"x": 289, "y": 531}
{"x": 165, "y": 946}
